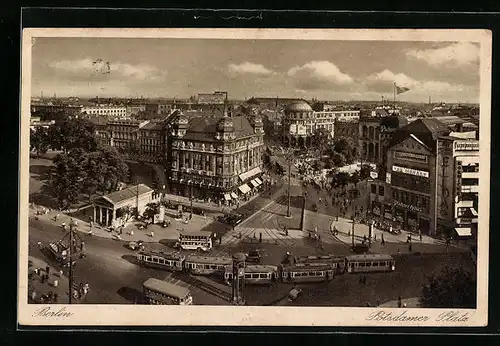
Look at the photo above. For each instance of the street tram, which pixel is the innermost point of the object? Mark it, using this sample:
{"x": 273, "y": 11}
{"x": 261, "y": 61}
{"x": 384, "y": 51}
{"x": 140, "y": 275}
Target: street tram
{"x": 338, "y": 263}
{"x": 161, "y": 259}
{"x": 368, "y": 263}
{"x": 204, "y": 265}
{"x": 255, "y": 274}
{"x": 199, "y": 241}
{"x": 306, "y": 272}
{"x": 159, "y": 292}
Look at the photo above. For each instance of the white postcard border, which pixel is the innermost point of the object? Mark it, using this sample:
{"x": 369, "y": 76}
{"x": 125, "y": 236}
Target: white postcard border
{"x": 124, "y": 315}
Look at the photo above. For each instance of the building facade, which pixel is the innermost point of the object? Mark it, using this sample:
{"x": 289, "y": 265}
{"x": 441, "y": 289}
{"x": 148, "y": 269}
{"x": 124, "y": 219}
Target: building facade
{"x": 217, "y": 158}
{"x": 113, "y": 112}
{"x": 424, "y": 187}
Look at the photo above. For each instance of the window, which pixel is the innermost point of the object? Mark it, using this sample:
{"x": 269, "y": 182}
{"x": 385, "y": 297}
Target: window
{"x": 375, "y": 264}
{"x": 373, "y": 188}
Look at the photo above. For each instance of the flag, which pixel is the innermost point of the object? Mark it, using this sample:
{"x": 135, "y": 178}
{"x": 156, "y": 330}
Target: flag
{"x": 400, "y": 90}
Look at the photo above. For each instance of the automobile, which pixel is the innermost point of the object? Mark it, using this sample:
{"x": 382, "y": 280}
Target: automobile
{"x": 254, "y": 255}
{"x": 235, "y": 219}
{"x": 294, "y": 294}
{"x": 361, "y": 248}
{"x": 136, "y": 245}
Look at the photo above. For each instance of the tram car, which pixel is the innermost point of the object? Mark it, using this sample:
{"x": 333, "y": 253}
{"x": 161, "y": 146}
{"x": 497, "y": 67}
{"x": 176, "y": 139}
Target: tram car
{"x": 204, "y": 265}
{"x": 169, "y": 260}
{"x": 369, "y": 263}
{"x": 306, "y": 272}
{"x": 255, "y": 274}
{"x": 338, "y": 263}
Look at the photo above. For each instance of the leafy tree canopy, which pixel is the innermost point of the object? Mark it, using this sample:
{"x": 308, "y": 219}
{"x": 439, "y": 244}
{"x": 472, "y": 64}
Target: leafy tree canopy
{"x": 451, "y": 288}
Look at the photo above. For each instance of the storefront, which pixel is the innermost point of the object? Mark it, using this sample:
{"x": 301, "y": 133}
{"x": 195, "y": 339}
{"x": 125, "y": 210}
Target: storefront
{"x": 412, "y": 220}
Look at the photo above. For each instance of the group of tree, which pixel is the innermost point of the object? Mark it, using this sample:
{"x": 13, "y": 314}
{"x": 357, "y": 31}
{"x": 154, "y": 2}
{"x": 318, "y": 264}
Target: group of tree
{"x": 83, "y": 166}
{"x": 451, "y": 288}
{"x": 64, "y": 135}
{"x": 337, "y": 152}
{"x": 79, "y": 172}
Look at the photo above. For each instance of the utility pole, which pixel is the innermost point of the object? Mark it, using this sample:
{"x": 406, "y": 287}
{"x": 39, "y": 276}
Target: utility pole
{"x": 191, "y": 204}
{"x": 352, "y": 232}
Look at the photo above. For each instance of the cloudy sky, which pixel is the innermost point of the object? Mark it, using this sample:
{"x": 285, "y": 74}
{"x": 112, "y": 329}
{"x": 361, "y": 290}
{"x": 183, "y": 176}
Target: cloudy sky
{"x": 327, "y": 70}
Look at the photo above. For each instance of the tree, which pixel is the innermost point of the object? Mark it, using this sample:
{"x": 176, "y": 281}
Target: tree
{"x": 343, "y": 179}
{"x": 152, "y": 209}
{"x": 320, "y": 139}
{"x": 451, "y": 288}
{"x": 339, "y": 159}
{"x": 346, "y": 147}
{"x": 355, "y": 178}
{"x": 39, "y": 140}
{"x": 70, "y": 134}
{"x": 66, "y": 181}
{"x": 126, "y": 213}
{"x": 114, "y": 169}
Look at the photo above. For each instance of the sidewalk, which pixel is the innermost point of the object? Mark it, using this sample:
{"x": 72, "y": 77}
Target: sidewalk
{"x": 40, "y": 288}
{"x": 131, "y": 232}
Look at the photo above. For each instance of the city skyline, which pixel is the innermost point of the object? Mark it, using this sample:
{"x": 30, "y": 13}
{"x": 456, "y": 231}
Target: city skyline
{"x": 326, "y": 70}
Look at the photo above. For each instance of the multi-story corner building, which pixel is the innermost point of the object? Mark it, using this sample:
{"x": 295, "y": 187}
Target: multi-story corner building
{"x": 112, "y": 112}
{"x": 216, "y": 157}
{"x": 301, "y": 121}
{"x": 424, "y": 180}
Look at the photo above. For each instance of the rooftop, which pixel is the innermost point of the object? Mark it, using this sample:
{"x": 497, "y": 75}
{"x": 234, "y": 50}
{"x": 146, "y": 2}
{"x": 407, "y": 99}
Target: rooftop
{"x": 205, "y": 129}
{"x": 127, "y": 193}
{"x": 167, "y": 287}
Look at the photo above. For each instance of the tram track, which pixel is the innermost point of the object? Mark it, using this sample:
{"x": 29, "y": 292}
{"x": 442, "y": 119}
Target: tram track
{"x": 204, "y": 286}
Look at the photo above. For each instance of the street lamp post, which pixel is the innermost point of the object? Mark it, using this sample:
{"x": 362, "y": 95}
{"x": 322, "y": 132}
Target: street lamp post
{"x": 70, "y": 256}
{"x": 191, "y": 204}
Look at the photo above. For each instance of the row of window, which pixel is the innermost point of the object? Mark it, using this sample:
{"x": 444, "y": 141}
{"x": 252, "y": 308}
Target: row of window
{"x": 252, "y": 275}
{"x": 302, "y": 274}
{"x": 162, "y": 295}
{"x": 370, "y": 264}
{"x": 160, "y": 260}
{"x": 411, "y": 182}
{"x": 205, "y": 266}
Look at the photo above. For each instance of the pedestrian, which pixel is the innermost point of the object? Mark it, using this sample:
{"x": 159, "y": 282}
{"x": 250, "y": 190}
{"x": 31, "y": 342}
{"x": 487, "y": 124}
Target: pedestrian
{"x": 61, "y": 273}
{"x": 33, "y": 296}
{"x": 56, "y": 297}
{"x": 375, "y": 237}
{"x": 420, "y": 235}
{"x": 409, "y": 247}
{"x": 152, "y": 234}
{"x": 260, "y": 237}
{"x": 47, "y": 270}
{"x": 220, "y": 240}
{"x": 404, "y": 305}
{"x": 42, "y": 278}
{"x": 39, "y": 244}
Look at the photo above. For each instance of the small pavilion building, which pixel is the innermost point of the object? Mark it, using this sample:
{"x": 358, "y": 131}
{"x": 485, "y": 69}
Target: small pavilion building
{"x": 115, "y": 209}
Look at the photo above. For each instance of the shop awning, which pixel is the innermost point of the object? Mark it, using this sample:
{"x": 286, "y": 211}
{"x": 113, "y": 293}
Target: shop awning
{"x": 235, "y": 196}
{"x": 250, "y": 173}
{"x": 227, "y": 197}
{"x": 474, "y": 212}
{"x": 254, "y": 183}
{"x": 258, "y": 181}
{"x": 244, "y": 188}
{"x": 463, "y": 231}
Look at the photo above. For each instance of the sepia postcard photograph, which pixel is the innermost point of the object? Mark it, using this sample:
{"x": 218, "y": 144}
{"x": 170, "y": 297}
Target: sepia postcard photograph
{"x": 254, "y": 177}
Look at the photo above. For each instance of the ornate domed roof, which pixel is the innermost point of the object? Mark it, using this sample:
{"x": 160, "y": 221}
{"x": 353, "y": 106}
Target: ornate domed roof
{"x": 225, "y": 124}
{"x": 300, "y": 106}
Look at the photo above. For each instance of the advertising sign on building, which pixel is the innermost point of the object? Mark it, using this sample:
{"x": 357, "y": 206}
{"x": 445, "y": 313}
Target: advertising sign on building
{"x": 407, "y": 206}
{"x": 465, "y": 146}
{"x": 388, "y": 177}
{"x": 410, "y": 157}
{"x": 373, "y": 175}
{"x": 410, "y": 171}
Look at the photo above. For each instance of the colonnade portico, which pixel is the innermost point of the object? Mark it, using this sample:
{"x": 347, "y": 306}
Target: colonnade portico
{"x": 104, "y": 215}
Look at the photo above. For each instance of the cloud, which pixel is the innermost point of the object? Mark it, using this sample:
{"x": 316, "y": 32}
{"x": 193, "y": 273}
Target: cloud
{"x": 383, "y": 82}
{"x": 317, "y": 75}
{"x": 98, "y": 69}
{"x": 249, "y": 68}
{"x": 460, "y": 53}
